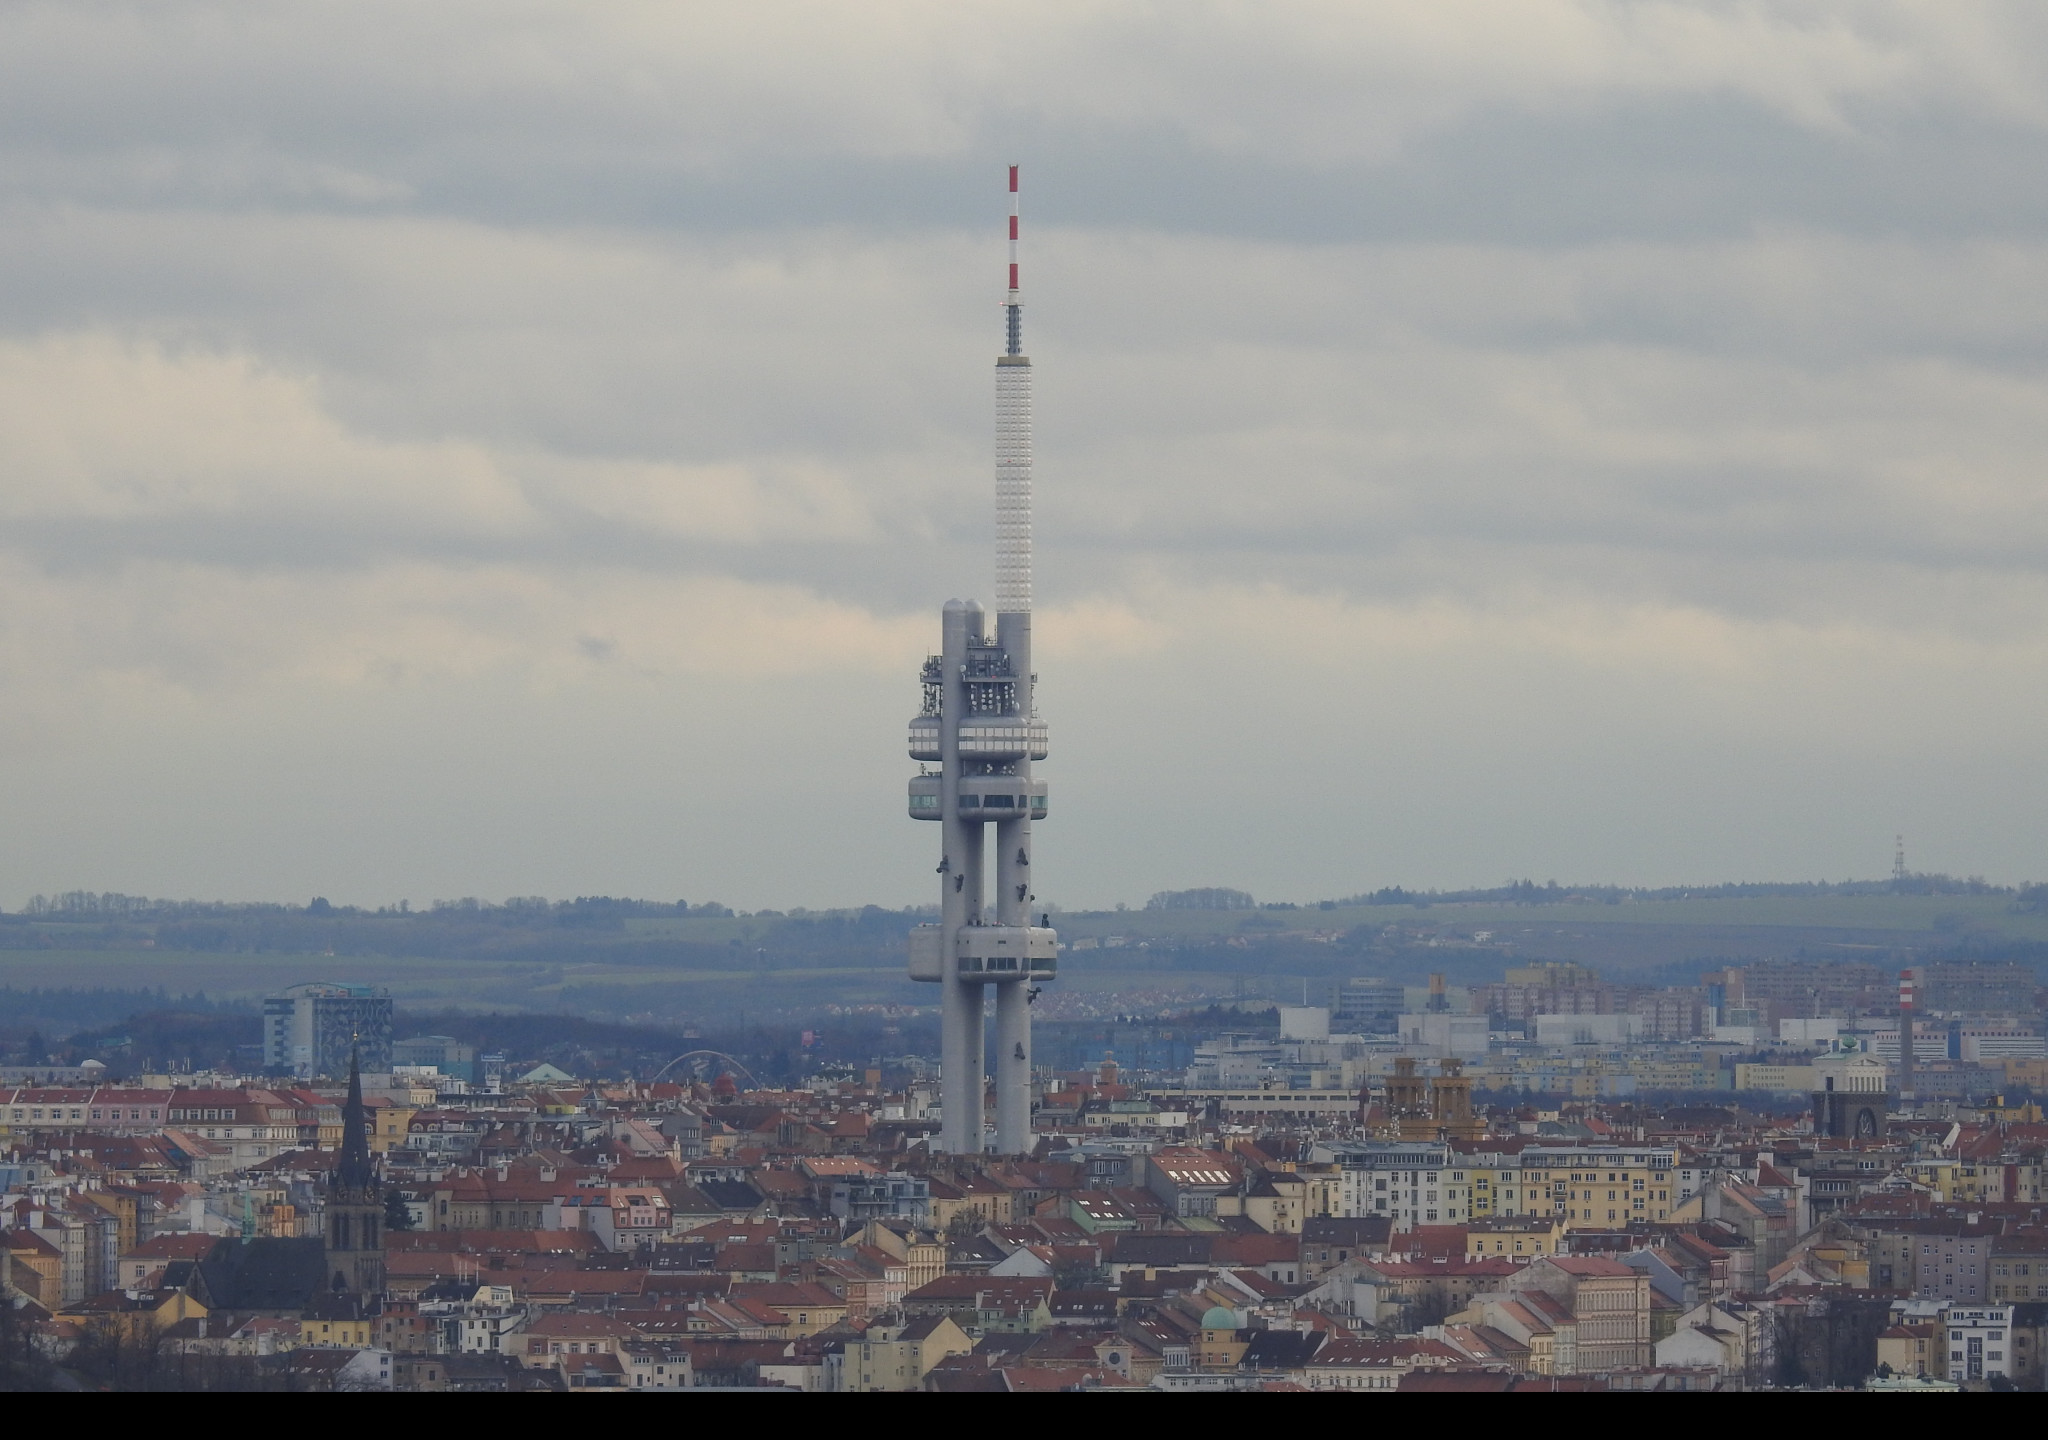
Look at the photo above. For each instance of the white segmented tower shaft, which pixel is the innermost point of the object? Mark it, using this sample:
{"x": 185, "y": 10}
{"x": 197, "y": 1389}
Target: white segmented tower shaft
{"x": 980, "y": 723}
{"x": 1013, "y": 486}
{"x": 1013, "y": 447}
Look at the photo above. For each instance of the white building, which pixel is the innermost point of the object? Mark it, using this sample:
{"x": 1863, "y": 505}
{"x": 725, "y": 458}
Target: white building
{"x": 1989, "y": 1044}
{"x": 1304, "y": 1022}
{"x": 313, "y": 1029}
{"x": 1806, "y": 1033}
{"x": 1412, "y": 1183}
{"x": 1979, "y": 1341}
{"x": 1433, "y": 1036}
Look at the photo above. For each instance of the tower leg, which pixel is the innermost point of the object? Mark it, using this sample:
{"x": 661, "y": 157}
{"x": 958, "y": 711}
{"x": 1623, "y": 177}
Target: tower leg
{"x": 954, "y": 1059}
{"x": 1013, "y": 1008}
{"x": 977, "y": 1068}
{"x": 962, "y": 1068}
{"x": 963, "y": 1065}
{"x": 1013, "y": 1067}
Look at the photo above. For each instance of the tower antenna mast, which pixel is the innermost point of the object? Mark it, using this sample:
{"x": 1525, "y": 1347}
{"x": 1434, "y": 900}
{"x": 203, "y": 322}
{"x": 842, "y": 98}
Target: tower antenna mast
{"x": 1013, "y": 307}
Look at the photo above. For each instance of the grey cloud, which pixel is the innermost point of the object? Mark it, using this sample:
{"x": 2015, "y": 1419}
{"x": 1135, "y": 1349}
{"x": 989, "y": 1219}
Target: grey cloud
{"x": 1543, "y": 420}
{"x": 1538, "y": 123}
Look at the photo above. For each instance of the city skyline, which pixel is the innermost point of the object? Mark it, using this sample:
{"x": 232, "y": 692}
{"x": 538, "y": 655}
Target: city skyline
{"x": 460, "y": 452}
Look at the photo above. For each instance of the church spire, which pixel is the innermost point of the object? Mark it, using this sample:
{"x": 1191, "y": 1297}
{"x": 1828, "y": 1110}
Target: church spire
{"x": 354, "y": 1173}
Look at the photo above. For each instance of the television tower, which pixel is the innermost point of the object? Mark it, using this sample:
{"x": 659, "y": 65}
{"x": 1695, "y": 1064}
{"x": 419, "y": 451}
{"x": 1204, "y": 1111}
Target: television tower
{"x": 979, "y": 724}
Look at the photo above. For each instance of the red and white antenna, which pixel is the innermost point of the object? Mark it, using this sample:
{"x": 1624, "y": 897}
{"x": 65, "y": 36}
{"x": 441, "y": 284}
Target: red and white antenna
{"x": 1013, "y": 307}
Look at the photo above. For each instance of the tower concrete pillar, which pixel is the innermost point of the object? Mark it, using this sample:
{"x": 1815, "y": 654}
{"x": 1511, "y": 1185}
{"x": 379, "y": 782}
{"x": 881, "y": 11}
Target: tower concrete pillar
{"x": 1013, "y": 1067}
{"x": 961, "y": 1063}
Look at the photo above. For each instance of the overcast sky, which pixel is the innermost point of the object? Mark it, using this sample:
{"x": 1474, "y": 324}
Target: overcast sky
{"x": 518, "y": 447}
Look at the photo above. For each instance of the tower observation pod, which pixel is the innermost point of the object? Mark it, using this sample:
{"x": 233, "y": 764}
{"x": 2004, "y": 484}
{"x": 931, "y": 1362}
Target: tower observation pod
{"x": 978, "y": 733}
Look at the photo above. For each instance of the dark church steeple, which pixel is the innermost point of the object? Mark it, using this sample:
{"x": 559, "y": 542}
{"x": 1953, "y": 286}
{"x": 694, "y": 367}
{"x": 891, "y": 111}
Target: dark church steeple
{"x": 355, "y": 1171}
{"x": 355, "y": 1201}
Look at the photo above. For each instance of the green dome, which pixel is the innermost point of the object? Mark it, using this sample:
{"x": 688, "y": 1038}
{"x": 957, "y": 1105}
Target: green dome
{"x": 1217, "y": 1318}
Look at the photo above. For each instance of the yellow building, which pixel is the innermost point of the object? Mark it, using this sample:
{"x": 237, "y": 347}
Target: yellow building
{"x": 1609, "y": 1195}
{"x": 1515, "y": 1236}
{"x": 346, "y": 1329}
{"x": 133, "y": 1316}
{"x": 35, "y": 1265}
{"x": 1584, "y": 1186}
{"x": 1502, "y": 1186}
{"x": 1912, "y": 1350}
{"x": 1276, "y": 1204}
{"x": 2023, "y": 1113}
{"x": 1553, "y": 975}
{"x": 1960, "y": 1182}
{"x": 2031, "y": 1073}
{"x": 1322, "y": 1190}
{"x": 1782, "y": 1079}
{"x": 393, "y": 1123}
{"x": 922, "y": 1252}
{"x": 976, "y": 1197}
{"x": 1599, "y": 1188}
{"x": 1220, "y": 1347}
{"x": 893, "y": 1358}
{"x": 1654, "y": 1074}
{"x": 124, "y": 1205}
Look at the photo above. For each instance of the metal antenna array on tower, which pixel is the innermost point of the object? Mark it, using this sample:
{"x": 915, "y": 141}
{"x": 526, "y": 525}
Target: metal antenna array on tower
{"x": 980, "y": 723}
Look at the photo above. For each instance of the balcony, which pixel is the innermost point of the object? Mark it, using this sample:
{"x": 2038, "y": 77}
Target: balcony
{"x": 989, "y": 953}
{"x": 982, "y": 797}
{"x": 983, "y": 738}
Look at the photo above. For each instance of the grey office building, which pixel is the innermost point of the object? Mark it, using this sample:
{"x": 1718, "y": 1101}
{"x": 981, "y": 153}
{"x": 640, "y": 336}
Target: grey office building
{"x": 310, "y": 1030}
{"x": 444, "y": 1052}
{"x": 1369, "y": 1006}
